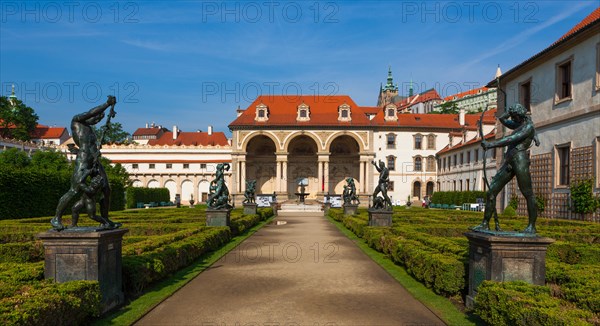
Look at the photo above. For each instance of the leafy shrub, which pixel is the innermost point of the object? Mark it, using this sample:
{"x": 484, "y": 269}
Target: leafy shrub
{"x": 514, "y": 202}
{"x": 146, "y": 195}
{"x": 456, "y": 197}
{"x": 509, "y": 211}
{"x": 583, "y": 198}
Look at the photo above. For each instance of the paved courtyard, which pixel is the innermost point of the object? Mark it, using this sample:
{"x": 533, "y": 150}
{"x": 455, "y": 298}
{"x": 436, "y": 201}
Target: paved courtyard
{"x": 299, "y": 270}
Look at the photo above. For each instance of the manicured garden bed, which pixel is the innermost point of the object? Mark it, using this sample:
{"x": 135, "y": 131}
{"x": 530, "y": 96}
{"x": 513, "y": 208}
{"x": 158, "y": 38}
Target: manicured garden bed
{"x": 159, "y": 243}
{"x": 430, "y": 244}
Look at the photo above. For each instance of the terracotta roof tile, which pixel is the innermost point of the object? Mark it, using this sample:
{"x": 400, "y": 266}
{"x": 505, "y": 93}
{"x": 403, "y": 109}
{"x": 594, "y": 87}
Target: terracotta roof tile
{"x": 474, "y": 140}
{"x": 428, "y": 95}
{"x": 283, "y": 111}
{"x": 45, "y": 132}
{"x": 191, "y": 139}
{"x": 147, "y": 131}
{"x": 466, "y": 93}
{"x": 424, "y": 120}
{"x": 594, "y": 16}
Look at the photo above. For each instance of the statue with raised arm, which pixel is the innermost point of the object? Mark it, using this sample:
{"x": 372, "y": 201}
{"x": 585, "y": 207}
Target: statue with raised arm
{"x": 218, "y": 197}
{"x": 87, "y": 164}
{"x": 382, "y": 185}
{"x": 516, "y": 163}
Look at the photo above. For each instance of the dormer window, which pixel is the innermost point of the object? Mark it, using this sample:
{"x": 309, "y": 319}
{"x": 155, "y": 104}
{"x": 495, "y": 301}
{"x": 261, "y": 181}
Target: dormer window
{"x": 262, "y": 113}
{"x": 344, "y": 113}
{"x": 303, "y": 112}
{"x": 390, "y": 113}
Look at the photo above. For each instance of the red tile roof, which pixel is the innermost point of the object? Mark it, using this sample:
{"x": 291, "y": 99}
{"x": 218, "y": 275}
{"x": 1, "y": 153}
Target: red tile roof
{"x": 371, "y": 109}
{"x": 283, "y": 111}
{"x": 191, "y": 139}
{"x": 423, "y": 120}
{"x": 490, "y": 135}
{"x": 463, "y": 94}
{"x": 428, "y": 95}
{"x": 594, "y": 16}
{"x": 147, "y": 131}
{"x": 45, "y": 132}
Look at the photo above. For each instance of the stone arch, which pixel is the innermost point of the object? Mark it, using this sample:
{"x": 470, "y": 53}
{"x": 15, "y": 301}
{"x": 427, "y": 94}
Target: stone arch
{"x": 344, "y": 162}
{"x": 286, "y": 145}
{"x": 417, "y": 188}
{"x": 429, "y": 188}
{"x": 137, "y": 183}
{"x": 187, "y": 190}
{"x": 261, "y": 164}
{"x": 153, "y": 183}
{"x": 251, "y": 136}
{"x": 203, "y": 189}
{"x": 172, "y": 186}
{"x": 359, "y": 141}
{"x": 302, "y": 163}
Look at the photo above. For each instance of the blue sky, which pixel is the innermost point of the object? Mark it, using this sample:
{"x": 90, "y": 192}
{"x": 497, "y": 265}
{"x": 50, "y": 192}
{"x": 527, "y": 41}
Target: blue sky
{"x": 192, "y": 63}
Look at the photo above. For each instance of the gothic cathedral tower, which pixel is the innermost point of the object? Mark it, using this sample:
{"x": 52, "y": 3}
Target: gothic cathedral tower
{"x": 388, "y": 93}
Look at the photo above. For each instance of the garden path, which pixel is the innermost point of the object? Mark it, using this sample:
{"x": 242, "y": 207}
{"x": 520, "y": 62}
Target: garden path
{"x": 303, "y": 272}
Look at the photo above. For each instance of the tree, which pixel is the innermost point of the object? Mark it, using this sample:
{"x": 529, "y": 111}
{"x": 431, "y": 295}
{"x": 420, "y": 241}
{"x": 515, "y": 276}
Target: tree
{"x": 50, "y": 160}
{"x": 582, "y": 197}
{"x": 114, "y": 134}
{"x": 14, "y": 158}
{"x": 449, "y": 107}
{"x": 16, "y": 121}
{"x": 116, "y": 171}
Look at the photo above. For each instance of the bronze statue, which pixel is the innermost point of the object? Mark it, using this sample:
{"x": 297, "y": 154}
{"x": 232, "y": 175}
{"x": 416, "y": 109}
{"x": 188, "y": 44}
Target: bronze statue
{"x": 516, "y": 163}
{"x": 250, "y": 193}
{"x": 349, "y": 195}
{"x": 218, "y": 197}
{"x": 384, "y": 179}
{"x": 87, "y": 164}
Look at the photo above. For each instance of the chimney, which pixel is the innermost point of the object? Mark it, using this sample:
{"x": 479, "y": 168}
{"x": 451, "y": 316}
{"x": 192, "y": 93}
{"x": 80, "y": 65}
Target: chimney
{"x": 210, "y": 130}
{"x": 175, "y": 132}
{"x": 146, "y": 125}
{"x": 461, "y": 117}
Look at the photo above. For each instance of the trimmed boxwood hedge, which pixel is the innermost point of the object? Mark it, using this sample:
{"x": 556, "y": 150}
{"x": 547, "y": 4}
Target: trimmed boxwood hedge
{"x": 31, "y": 193}
{"x": 146, "y": 195}
{"x": 456, "y": 197}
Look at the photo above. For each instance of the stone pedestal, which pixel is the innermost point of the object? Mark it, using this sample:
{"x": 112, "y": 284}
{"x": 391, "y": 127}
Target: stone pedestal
{"x": 86, "y": 254}
{"x": 350, "y": 209}
{"x": 504, "y": 256}
{"x": 274, "y": 206}
{"x": 250, "y": 208}
{"x": 218, "y": 217}
{"x": 380, "y": 218}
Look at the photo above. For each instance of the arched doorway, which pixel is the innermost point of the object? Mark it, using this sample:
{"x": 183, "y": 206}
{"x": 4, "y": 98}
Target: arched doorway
{"x": 344, "y": 162}
{"x": 153, "y": 184}
{"x": 203, "y": 191}
{"x": 429, "y": 189}
{"x": 172, "y": 186}
{"x": 187, "y": 190}
{"x": 261, "y": 164}
{"x": 302, "y": 163}
{"x": 417, "y": 190}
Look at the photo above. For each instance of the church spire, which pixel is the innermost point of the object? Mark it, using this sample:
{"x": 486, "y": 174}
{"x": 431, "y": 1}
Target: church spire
{"x": 410, "y": 90}
{"x": 498, "y": 71}
{"x": 389, "y": 86}
{"x": 13, "y": 98}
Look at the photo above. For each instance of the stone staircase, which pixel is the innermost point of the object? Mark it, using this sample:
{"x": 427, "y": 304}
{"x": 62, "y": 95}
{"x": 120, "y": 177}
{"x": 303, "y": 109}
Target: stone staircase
{"x": 293, "y": 206}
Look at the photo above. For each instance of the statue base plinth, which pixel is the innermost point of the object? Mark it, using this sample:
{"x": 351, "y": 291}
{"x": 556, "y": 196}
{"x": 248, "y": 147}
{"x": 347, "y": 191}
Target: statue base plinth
{"x": 275, "y": 207}
{"x": 380, "y": 217}
{"x": 350, "y": 209}
{"x": 218, "y": 217}
{"x": 250, "y": 208}
{"x": 505, "y": 257}
{"x": 92, "y": 256}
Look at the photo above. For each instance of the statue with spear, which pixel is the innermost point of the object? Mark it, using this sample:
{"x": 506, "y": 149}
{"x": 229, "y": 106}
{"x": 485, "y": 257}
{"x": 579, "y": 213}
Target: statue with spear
{"x": 516, "y": 163}
{"x": 88, "y": 165}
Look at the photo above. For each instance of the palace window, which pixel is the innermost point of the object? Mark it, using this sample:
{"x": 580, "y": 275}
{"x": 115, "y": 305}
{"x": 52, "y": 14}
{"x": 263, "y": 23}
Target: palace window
{"x": 169, "y": 166}
{"x": 134, "y": 166}
{"x": 563, "y": 80}
{"x": 461, "y": 185}
{"x": 476, "y": 155}
{"x": 563, "y": 154}
{"x": 391, "y": 163}
{"x": 418, "y": 141}
{"x": 431, "y": 141}
{"x": 391, "y": 141}
{"x": 418, "y": 164}
{"x": 303, "y": 112}
{"x": 151, "y": 166}
{"x": 390, "y": 186}
{"x": 262, "y": 113}
{"x": 344, "y": 113}
{"x": 444, "y": 163}
{"x": 202, "y": 166}
{"x": 390, "y": 113}
{"x": 525, "y": 94}
{"x": 468, "y": 157}
{"x": 186, "y": 165}
{"x": 454, "y": 160}
{"x": 467, "y": 181}
{"x": 462, "y": 161}
{"x": 431, "y": 163}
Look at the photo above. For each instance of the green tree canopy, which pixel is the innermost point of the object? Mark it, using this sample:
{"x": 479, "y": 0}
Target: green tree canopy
{"x": 50, "y": 160}
{"x": 449, "y": 107}
{"x": 114, "y": 134}
{"x": 14, "y": 158}
{"x": 116, "y": 171}
{"x": 21, "y": 119}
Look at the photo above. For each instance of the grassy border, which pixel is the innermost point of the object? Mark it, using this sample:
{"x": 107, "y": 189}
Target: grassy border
{"x": 139, "y": 307}
{"x": 439, "y": 305}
